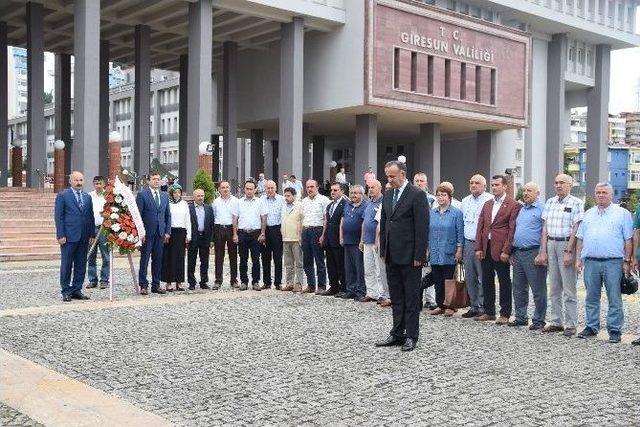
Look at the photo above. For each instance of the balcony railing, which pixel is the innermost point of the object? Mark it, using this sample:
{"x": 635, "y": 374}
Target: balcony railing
{"x": 168, "y": 136}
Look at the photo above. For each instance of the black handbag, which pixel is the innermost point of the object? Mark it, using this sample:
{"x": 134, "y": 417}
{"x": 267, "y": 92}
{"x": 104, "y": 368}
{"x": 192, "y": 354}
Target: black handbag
{"x": 629, "y": 284}
{"x": 427, "y": 280}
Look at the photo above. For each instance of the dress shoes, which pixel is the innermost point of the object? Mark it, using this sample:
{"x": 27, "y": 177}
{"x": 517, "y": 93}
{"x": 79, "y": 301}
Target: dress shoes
{"x": 470, "y": 314}
{"x": 536, "y": 326}
{"x": 449, "y": 312}
{"x": 320, "y": 291}
{"x": 192, "y": 287}
{"x": 485, "y": 318}
{"x": 287, "y": 288}
{"x": 368, "y": 299}
{"x": 409, "y": 344}
{"x": 308, "y": 290}
{"x": 386, "y": 303}
{"x": 243, "y": 287}
{"x": 431, "y": 306}
{"x": 518, "y": 323}
{"x": 502, "y": 320}
{"x": 91, "y": 285}
{"x": 553, "y": 328}
{"x": 180, "y": 288}
{"x": 340, "y": 294}
{"x": 104, "y": 285}
{"x": 436, "y": 311}
{"x": 215, "y": 286}
{"x": 361, "y": 299}
{"x": 158, "y": 291}
{"x": 203, "y": 286}
{"x": 66, "y": 298}
{"x": 347, "y": 295}
{"x": 256, "y": 286}
{"x": 329, "y": 292}
{"x": 391, "y": 341}
{"x": 79, "y": 295}
{"x": 587, "y": 333}
{"x": 635, "y": 342}
{"x": 297, "y": 288}
{"x": 144, "y": 291}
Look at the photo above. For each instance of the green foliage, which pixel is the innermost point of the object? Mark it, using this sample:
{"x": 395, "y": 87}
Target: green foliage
{"x": 632, "y": 203}
{"x": 519, "y": 194}
{"x": 158, "y": 167}
{"x": 202, "y": 180}
{"x": 589, "y": 202}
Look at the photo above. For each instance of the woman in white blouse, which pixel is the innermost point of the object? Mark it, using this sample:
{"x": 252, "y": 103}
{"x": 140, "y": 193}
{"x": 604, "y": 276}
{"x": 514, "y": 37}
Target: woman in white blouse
{"x": 173, "y": 253}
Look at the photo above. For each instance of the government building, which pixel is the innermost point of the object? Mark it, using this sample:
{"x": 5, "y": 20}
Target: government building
{"x": 298, "y": 86}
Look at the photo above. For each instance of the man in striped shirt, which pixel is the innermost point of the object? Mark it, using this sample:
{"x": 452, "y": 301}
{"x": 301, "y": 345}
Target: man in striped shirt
{"x": 272, "y": 247}
{"x": 562, "y": 215}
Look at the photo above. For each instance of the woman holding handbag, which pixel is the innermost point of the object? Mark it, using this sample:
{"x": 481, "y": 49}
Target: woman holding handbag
{"x": 446, "y": 240}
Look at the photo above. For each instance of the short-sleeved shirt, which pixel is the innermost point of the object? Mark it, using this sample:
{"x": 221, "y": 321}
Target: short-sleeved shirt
{"x": 224, "y": 209}
{"x": 370, "y": 221}
{"x": 603, "y": 234}
{"x": 352, "y": 223}
{"x": 274, "y": 207}
{"x": 562, "y": 215}
{"x": 529, "y": 226}
{"x": 313, "y": 210}
{"x": 249, "y": 213}
{"x": 471, "y": 208}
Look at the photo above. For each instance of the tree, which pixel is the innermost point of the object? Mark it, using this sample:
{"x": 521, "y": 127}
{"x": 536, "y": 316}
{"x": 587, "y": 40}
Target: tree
{"x": 519, "y": 194}
{"x": 48, "y": 97}
{"x": 202, "y": 180}
{"x": 589, "y": 202}
{"x": 632, "y": 203}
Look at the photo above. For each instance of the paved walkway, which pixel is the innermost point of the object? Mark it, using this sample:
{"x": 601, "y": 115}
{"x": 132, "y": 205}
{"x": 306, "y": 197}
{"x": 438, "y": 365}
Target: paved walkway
{"x": 270, "y": 358}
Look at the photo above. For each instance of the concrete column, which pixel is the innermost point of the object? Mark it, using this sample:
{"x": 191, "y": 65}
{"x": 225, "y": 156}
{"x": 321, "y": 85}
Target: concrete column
{"x": 597, "y": 121}
{"x": 318, "y": 159}
{"x": 103, "y": 145}
{"x": 36, "y": 142}
{"x": 230, "y": 162}
{"x": 556, "y": 66}
{"x": 366, "y": 150}
{"x": 291, "y": 97}
{"x": 142, "y": 102}
{"x": 183, "y": 123}
{"x": 485, "y": 141}
{"x": 156, "y": 124}
{"x": 535, "y": 136}
{"x": 307, "y": 139}
{"x": 115, "y": 158}
{"x": 63, "y": 107}
{"x": 4, "y": 108}
{"x": 16, "y": 166}
{"x": 59, "y": 179}
{"x": 257, "y": 153}
{"x": 86, "y": 114}
{"x": 199, "y": 87}
{"x": 268, "y": 161}
{"x": 427, "y": 153}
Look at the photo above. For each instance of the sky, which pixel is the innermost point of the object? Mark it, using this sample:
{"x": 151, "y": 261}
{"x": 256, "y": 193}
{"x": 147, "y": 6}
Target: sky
{"x": 625, "y": 78}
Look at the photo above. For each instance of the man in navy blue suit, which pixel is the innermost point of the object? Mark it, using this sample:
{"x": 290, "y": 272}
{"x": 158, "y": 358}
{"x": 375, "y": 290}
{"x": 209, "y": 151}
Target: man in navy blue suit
{"x": 156, "y": 216}
{"x": 75, "y": 231}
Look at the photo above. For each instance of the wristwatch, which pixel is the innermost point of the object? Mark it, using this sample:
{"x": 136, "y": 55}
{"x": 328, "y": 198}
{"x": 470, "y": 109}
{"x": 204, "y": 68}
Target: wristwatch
{"x": 627, "y": 260}
{"x": 567, "y": 251}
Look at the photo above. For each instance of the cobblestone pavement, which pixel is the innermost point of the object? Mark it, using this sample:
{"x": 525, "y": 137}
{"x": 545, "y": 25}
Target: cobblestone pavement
{"x": 9, "y": 417}
{"x": 283, "y": 359}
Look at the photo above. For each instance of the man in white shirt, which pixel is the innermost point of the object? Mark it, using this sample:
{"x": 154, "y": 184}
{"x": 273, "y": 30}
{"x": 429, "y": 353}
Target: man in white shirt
{"x": 224, "y": 207}
{"x": 297, "y": 184}
{"x": 249, "y": 227}
{"x": 260, "y": 185}
{"x": 97, "y": 199}
{"x": 420, "y": 181}
{"x": 341, "y": 177}
{"x": 313, "y": 234}
{"x": 471, "y": 208}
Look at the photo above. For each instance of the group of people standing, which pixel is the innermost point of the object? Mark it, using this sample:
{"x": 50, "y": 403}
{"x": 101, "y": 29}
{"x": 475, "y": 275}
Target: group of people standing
{"x": 375, "y": 246}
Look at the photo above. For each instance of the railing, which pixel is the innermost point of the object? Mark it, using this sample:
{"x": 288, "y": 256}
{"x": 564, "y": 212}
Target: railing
{"x": 169, "y": 108}
{"x": 169, "y": 136}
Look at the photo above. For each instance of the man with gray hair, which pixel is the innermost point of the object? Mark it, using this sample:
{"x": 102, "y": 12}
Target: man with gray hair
{"x": 526, "y": 273}
{"x": 420, "y": 181}
{"x": 471, "y": 208}
{"x": 350, "y": 238}
{"x": 562, "y": 215}
{"x": 604, "y": 249}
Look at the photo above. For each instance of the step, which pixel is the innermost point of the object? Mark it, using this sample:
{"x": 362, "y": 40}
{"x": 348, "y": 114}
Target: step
{"x": 30, "y": 257}
{"x": 28, "y": 240}
{"x": 24, "y": 213}
{"x": 26, "y": 202}
{"x": 22, "y": 223}
{"x": 25, "y": 190}
{"x": 28, "y": 249}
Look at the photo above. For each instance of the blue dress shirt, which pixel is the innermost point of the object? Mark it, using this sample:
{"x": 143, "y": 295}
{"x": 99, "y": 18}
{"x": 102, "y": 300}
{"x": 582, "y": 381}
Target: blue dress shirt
{"x": 446, "y": 234}
{"x": 529, "y": 226}
{"x": 603, "y": 234}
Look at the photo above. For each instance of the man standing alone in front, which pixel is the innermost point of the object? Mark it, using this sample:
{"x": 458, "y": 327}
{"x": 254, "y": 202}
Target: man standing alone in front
{"x": 201, "y": 240}
{"x": 404, "y": 233}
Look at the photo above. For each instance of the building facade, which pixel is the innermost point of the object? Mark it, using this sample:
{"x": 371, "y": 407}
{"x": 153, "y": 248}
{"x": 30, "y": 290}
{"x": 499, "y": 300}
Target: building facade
{"x": 291, "y": 87}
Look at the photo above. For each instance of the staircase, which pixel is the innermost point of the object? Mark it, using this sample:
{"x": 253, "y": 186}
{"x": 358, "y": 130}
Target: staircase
{"x": 27, "y": 229}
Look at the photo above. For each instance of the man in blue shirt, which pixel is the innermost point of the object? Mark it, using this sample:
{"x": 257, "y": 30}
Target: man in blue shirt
{"x": 604, "y": 249}
{"x": 350, "y": 236}
{"x": 528, "y": 271}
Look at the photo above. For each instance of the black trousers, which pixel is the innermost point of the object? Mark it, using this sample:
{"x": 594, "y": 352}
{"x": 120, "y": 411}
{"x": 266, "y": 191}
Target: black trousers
{"x": 405, "y": 291}
{"x": 248, "y": 244}
{"x": 272, "y": 248}
{"x": 335, "y": 267}
{"x": 198, "y": 246}
{"x": 489, "y": 269}
{"x": 440, "y": 274}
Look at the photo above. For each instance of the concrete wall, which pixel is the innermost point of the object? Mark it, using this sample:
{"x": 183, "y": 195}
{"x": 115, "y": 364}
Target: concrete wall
{"x": 458, "y": 155}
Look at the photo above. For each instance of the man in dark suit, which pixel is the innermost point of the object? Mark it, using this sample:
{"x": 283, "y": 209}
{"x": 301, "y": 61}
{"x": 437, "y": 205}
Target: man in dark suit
{"x": 494, "y": 237}
{"x": 404, "y": 233}
{"x": 201, "y": 240}
{"x": 332, "y": 248}
{"x": 156, "y": 216}
{"x": 75, "y": 232}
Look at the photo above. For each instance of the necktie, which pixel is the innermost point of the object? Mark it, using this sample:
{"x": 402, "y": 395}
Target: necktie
{"x": 155, "y": 196}
{"x": 396, "y": 193}
{"x": 333, "y": 207}
{"x": 79, "y": 199}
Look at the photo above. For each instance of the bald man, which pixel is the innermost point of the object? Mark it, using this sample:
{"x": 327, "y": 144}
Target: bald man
{"x": 527, "y": 273}
{"x": 75, "y": 231}
{"x": 272, "y": 246}
{"x": 562, "y": 216}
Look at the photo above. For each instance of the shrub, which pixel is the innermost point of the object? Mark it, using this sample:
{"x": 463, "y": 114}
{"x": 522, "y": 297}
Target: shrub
{"x": 589, "y": 202}
{"x": 203, "y": 181}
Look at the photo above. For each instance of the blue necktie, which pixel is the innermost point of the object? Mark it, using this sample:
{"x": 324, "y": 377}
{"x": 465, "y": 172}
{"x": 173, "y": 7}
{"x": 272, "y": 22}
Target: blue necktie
{"x": 79, "y": 199}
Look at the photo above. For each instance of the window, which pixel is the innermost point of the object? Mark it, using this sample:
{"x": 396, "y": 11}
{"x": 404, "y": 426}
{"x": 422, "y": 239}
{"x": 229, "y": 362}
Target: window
{"x": 581, "y": 56}
{"x": 572, "y": 54}
{"x": 518, "y": 154}
{"x": 451, "y": 5}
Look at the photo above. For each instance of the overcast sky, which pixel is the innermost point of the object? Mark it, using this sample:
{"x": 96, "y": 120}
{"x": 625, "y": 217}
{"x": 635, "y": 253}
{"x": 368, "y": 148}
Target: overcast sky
{"x": 625, "y": 78}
